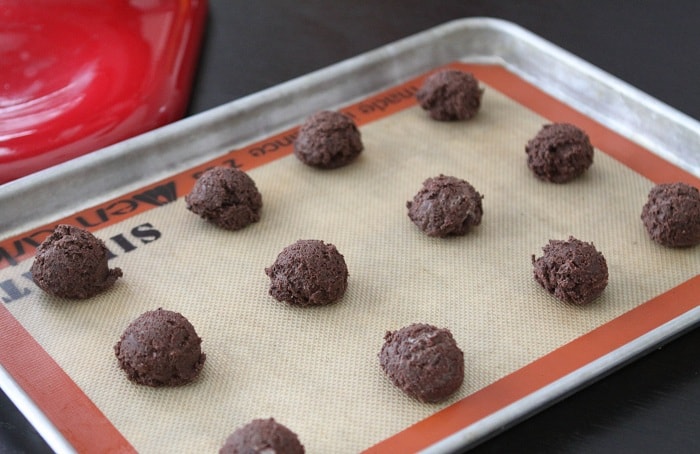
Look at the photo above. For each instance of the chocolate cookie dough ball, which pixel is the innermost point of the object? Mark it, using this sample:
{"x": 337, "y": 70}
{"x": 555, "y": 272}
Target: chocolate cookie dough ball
{"x": 328, "y": 140}
{"x": 308, "y": 273}
{"x": 559, "y": 153}
{"x": 72, "y": 263}
{"x": 262, "y": 436}
{"x": 672, "y": 215}
{"x": 450, "y": 95}
{"x": 573, "y": 271}
{"x": 445, "y": 206}
{"x": 423, "y": 361}
{"x": 226, "y": 197}
{"x": 160, "y": 348}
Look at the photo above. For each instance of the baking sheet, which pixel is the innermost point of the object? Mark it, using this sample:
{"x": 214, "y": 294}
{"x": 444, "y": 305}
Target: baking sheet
{"x": 397, "y": 177}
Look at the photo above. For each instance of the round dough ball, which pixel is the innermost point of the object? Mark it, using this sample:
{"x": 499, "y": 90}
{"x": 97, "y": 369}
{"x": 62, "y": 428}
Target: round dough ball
{"x": 423, "y": 361}
{"x": 226, "y": 197}
{"x": 160, "y": 348}
{"x": 672, "y": 215}
{"x": 308, "y": 273}
{"x": 446, "y": 206}
{"x": 262, "y": 436}
{"x": 72, "y": 263}
{"x": 559, "y": 153}
{"x": 328, "y": 140}
{"x": 573, "y": 271}
{"x": 450, "y": 95}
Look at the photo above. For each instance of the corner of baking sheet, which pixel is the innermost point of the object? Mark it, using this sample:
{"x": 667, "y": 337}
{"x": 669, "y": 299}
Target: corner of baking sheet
{"x": 548, "y": 395}
{"x": 601, "y": 96}
{"x": 31, "y": 412}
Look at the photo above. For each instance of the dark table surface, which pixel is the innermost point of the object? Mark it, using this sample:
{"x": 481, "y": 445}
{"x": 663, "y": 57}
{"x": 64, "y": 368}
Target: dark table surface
{"x": 650, "y": 405}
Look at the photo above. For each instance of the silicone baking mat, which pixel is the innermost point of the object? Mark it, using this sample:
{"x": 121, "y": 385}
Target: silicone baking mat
{"x": 316, "y": 369}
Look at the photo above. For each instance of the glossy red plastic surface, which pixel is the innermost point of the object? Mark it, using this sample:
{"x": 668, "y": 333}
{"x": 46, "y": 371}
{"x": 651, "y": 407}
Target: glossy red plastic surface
{"x": 78, "y": 75}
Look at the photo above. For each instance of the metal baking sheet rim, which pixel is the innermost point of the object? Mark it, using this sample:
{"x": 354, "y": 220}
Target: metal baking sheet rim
{"x": 152, "y": 156}
{"x": 548, "y": 395}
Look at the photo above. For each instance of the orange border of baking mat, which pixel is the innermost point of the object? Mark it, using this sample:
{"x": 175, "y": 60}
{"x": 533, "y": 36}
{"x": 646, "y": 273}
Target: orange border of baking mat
{"x": 86, "y": 428}
{"x": 545, "y": 370}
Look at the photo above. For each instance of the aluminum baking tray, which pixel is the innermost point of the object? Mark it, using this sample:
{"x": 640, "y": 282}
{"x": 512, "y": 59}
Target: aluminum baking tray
{"x": 57, "y": 192}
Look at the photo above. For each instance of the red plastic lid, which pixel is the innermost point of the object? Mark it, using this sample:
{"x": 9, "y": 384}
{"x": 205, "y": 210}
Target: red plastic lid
{"x": 78, "y": 75}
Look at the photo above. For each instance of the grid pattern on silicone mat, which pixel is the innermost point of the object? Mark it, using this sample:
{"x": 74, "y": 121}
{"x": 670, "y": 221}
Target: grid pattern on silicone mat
{"x": 316, "y": 370}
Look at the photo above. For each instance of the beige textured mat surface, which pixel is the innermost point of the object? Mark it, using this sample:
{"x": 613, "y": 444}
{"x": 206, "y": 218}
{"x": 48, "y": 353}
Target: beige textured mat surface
{"x": 316, "y": 370}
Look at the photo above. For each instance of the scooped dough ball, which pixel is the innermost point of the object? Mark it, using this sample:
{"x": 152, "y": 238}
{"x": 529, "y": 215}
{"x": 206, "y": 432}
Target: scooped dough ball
{"x": 672, "y": 215}
{"x": 573, "y": 271}
{"x": 308, "y": 273}
{"x": 423, "y": 361}
{"x": 450, "y": 95}
{"x": 328, "y": 140}
{"x": 72, "y": 263}
{"x": 226, "y": 197}
{"x": 160, "y": 348}
{"x": 262, "y": 436}
{"x": 445, "y": 206}
{"x": 559, "y": 153}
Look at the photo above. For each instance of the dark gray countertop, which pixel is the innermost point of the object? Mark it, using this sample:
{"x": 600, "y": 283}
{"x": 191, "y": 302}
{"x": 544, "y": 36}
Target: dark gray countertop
{"x": 650, "y": 405}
